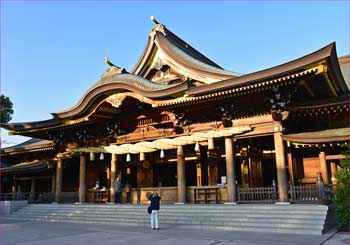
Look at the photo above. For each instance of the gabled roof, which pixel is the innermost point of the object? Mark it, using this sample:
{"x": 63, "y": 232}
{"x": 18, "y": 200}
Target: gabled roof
{"x": 165, "y": 47}
{"x": 30, "y": 145}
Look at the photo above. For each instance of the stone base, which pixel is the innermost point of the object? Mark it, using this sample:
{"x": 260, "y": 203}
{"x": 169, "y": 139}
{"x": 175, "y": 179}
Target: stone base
{"x": 282, "y": 203}
{"x": 230, "y": 203}
{"x": 110, "y": 203}
{"x": 179, "y": 203}
{"x": 54, "y": 203}
{"x": 78, "y": 203}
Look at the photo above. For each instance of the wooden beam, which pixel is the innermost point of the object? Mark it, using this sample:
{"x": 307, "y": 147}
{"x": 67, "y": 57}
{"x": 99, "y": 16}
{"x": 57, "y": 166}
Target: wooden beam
{"x": 307, "y": 87}
{"x": 336, "y": 157}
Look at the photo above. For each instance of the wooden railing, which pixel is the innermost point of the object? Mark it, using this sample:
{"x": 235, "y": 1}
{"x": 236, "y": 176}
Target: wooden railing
{"x": 206, "y": 194}
{"x": 303, "y": 193}
{"x": 37, "y": 197}
{"x": 257, "y": 194}
{"x": 69, "y": 197}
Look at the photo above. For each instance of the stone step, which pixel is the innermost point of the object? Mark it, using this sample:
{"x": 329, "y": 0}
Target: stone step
{"x": 299, "y": 219}
{"x": 141, "y": 210}
{"x": 181, "y": 218}
{"x": 191, "y": 222}
{"x": 217, "y": 216}
{"x": 189, "y": 226}
{"x": 220, "y": 207}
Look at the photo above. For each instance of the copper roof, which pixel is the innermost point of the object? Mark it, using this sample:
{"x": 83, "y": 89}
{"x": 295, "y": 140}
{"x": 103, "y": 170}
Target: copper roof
{"x": 119, "y": 83}
{"x": 180, "y": 52}
{"x": 26, "y": 166}
{"x": 330, "y": 135}
{"x": 29, "y": 146}
{"x": 327, "y": 53}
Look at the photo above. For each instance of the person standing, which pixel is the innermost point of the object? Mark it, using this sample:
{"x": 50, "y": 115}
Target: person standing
{"x": 128, "y": 192}
{"x": 118, "y": 189}
{"x": 155, "y": 205}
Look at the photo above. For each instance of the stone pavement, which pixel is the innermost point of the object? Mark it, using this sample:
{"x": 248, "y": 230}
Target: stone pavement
{"x": 16, "y": 232}
{"x": 339, "y": 238}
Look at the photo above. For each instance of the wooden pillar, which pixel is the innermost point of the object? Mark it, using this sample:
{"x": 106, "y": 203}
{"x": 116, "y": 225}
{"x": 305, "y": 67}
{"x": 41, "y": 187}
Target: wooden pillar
{"x": 212, "y": 169}
{"x": 290, "y": 166}
{"x": 32, "y": 187}
{"x": 230, "y": 170}
{"x": 281, "y": 164}
{"x": 323, "y": 167}
{"x": 82, "y": 178}
{"x": 14, "y": 182}
{"x": 181, "y": 175}
{"x": 333, "y": 171}
{"x": 53, "y": 184}
{"x": 199, "y": 173}
{"x": 58, "y": 180}
{"x": 113, "y": 175}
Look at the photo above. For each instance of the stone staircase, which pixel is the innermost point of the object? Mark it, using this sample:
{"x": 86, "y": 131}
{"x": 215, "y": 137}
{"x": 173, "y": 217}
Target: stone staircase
{"x": 294, "y": 218}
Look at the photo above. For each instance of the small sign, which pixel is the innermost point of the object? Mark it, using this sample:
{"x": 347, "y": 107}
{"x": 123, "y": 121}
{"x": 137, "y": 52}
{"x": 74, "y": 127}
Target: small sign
{"x": 223, "y": 180}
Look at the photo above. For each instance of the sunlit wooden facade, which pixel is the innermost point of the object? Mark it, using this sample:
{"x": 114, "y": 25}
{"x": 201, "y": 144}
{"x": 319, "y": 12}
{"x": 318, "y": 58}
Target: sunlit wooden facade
{"x": 179, "y": 123}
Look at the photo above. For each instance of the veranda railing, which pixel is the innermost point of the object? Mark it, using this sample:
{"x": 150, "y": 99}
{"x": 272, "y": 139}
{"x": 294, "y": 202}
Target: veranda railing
{"x": 39, "y": 197}
{"x": 257, "y": 194}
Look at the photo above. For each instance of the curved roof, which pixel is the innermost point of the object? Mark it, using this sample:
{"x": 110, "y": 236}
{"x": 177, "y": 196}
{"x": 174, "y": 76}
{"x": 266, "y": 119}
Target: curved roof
{"x": 327, "y": 53}
{"x": 30, "y": 145}
{"x": 178, "y": 53}
{"x": 117, "y": 83}
{"x": 26, "y": 166}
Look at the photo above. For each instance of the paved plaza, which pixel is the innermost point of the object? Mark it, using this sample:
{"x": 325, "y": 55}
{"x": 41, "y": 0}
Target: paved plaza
{"x": 15, "y": 232}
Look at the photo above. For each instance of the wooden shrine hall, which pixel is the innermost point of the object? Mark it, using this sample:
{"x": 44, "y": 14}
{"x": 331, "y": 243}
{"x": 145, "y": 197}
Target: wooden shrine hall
{"x": 180, "y": 124}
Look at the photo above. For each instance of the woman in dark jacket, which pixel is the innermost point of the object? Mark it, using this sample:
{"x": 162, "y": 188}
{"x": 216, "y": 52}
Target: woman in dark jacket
{"x": 155, "y": 203}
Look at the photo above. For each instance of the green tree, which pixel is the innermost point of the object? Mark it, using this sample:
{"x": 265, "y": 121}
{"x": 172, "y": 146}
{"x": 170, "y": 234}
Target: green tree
{"x": 6, "y": 109}
{"x": 342, "y": 194}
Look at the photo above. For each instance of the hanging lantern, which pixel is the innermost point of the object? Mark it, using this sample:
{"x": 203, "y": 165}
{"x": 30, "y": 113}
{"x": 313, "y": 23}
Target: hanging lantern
{"x": 196, "y": 147}
{"x": 211, "y": 145}
{"x": 102, "y": 156}
{"x": 92, "y": 156}
{"x": 162, "y": 155}
{"x": 142, "y": 156}
{"x": 128, "y": 157}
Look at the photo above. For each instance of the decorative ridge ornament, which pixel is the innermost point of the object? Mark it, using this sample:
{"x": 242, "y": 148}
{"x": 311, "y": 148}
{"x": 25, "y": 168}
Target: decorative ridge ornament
{"x": 154, "y": 20}
{"x": 112, "y": 69}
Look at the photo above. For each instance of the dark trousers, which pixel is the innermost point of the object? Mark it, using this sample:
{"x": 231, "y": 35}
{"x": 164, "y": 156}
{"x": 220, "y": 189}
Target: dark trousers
{"x": 117, "y": 197}
{"x": 128, "y": 197}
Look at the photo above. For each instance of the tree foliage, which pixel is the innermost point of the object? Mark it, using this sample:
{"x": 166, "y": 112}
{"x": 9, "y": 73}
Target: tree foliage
{"x": 6, "y": 109}
{"x": 342, "y": 194}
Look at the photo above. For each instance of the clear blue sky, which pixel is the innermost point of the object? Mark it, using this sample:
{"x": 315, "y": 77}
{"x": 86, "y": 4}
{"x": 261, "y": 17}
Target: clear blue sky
{"x": 52, "y": 52}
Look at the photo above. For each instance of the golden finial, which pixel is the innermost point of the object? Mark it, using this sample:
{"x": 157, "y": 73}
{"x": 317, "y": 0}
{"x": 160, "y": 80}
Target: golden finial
{"x": 154, "y": 20}
{"x": 108, "y": 62}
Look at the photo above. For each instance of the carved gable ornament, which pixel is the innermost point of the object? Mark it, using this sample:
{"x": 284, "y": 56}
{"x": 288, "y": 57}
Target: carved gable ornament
{"x": 116, "y": 100}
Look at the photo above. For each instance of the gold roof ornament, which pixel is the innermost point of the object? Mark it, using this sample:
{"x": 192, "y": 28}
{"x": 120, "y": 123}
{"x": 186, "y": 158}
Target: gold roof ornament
{"x": 154, "y": 20}
{"x": 108, "y": 62}
{"x": 112, "y": 69}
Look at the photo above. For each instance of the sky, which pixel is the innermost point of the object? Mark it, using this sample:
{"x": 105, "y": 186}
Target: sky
{"x": 52, "y": 52}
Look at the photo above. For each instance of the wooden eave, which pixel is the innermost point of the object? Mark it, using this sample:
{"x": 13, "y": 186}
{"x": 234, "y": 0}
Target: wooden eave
{"x": 330, "y": 135}
{"x": 237, "y": 90}
{"x": 342, "y": 101}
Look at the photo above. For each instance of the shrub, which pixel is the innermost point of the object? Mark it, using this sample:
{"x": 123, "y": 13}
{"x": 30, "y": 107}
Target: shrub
{"x": 342, "y": 194}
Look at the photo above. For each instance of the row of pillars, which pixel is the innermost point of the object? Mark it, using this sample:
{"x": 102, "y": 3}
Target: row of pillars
{"x": 230, "y": 163}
